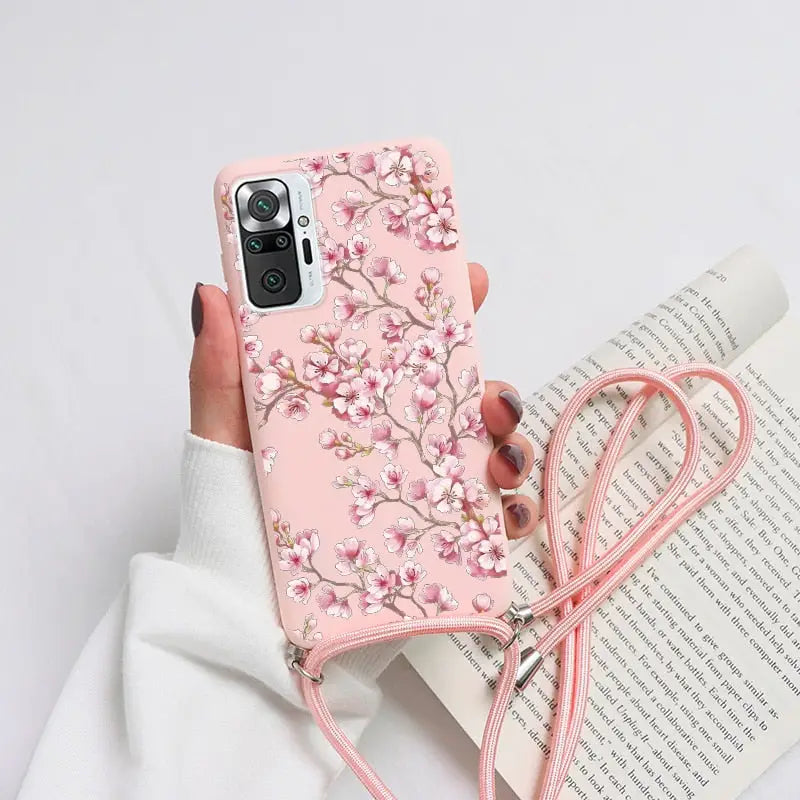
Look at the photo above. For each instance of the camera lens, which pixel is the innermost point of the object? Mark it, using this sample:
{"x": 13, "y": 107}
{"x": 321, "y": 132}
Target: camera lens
{"x": 282, "y": 241}
{"x": 255, "y": 245}
{"x": 274, "y": 280}
{"x": 263, "y": 205}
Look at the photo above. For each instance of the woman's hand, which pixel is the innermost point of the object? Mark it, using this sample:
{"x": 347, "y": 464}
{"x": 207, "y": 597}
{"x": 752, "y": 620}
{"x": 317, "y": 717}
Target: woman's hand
{"x": 218, "y": 411}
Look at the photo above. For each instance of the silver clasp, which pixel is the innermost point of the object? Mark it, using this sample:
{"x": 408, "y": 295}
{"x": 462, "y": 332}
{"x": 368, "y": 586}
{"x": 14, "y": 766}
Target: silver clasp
{"x": 295, "y": 655}
{"x": 518, "y": 617}
{"x": 529, "y": 665}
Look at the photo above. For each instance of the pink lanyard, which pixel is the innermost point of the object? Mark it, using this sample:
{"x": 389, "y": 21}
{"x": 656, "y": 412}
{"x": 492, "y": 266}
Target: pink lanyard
{"x": 578, "y": 594}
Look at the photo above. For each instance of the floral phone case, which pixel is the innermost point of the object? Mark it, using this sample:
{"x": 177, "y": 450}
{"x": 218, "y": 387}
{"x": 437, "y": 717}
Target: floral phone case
{"x": 364, "y": 409}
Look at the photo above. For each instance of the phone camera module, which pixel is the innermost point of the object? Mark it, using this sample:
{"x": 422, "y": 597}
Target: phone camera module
{"x": 254, "y": 245}
{"x": 263, "y": 205}
{"x": 282, "y": 241}
{"x": 273, "y": 280}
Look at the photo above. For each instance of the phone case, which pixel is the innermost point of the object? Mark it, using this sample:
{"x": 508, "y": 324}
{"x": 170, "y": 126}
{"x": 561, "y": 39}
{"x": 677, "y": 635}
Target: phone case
{"x": 364, "y": 409}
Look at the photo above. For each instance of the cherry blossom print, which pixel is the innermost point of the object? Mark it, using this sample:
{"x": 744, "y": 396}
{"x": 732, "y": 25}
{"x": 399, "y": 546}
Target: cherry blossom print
{"x": 403, "y": 405}
{"x": 268, "y": 456}
{"x": 351, "y": 211}
{"x": 332, "y": 605}
{"x": 438, "y": 595}
{"x": 309, "y": 633}
{"x": 393, "y": 476}
{"x": 482, "y": 603}
{"x": 299, "y": 590}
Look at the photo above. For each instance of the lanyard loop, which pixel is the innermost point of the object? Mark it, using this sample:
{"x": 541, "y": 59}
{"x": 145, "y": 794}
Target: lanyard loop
{"x": 580, "y": 590}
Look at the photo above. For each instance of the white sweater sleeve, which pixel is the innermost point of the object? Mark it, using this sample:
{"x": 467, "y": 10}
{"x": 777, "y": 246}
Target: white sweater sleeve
{"x": 182, "y": 690}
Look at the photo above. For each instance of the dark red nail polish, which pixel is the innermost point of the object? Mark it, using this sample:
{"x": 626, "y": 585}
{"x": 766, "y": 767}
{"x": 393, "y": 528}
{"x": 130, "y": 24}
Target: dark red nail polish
{"x": 197, "y": 311}
{"x": 511, "y": 399}
{"x": 521, "y": 514}
{"x": 514, "y": 455}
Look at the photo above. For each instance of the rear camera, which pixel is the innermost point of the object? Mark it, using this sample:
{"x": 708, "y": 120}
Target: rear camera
{"x": 282, "y": 241}
{"x": 273, "y": 280}
{"x": 263, "y": 205}
{"x": 255, "y": 245}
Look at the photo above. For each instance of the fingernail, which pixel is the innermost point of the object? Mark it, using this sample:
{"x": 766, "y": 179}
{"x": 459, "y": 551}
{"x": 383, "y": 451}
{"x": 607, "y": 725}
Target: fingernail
{"x": 520, "y": 513}
{"x": 511, "y": 399}
{"x": 197, "y": 311}
{"x": 514, "y": 455}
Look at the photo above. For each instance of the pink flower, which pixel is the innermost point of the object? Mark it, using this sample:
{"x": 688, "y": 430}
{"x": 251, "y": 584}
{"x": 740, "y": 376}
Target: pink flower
{"x": 328, "y": 439}
{"x": 283, "y": 364}
{"x": 446, "y": 495}
{"x": 360, "y": 412}
{"x": 353, "y": 556}
{"x": 423, "y": 397}
{"x": 420, "y": 207}
{"x": 299, "y": 590}
{"x": 328, "y": 332}
{"x": 449, "y": 467}
{"x": 425, "y": 167}
{"x": 361, "y": 515}
{"x": 396, "y": 354}
{"x": 425, "y": 350}
{"x": 468, "y": 378}
{"x": 388, "y": 269}
{"x": 396, "y": 535}
{"x": 308, "y": 334}
{"x": 440, "y": 596}
{"x": 353, "y": 351}
{"x": 393, "y": 476}
{"x": 391, "y": 326}
{"x": 322, "y": 367}
{"x": 492, "y": 556}
{"x": 482, "y": 603}
{"x": 340, "y": 157}
{"x": 431, "y": 376}
{"x": 394, "y": 168}
{"x": 332, "y": 605}
{"x": 448, "y": 331}
{"x": 370, "y": 603}
{"x": 417, "y": 489}
{"x": 351, "y": 210}
{"x": 346, "y": 306}
{"x": 382, "y": 581}
{"x": 291, "y": 559}
{"x": 475, "y": 494}
{"x": 472, "y": 423}
{"x": 438, "y": 445}
{"x": 309, "y": 539}
{"x": 268, "y": 455}
{"x": 365, "y": 164}
{"x": 441, "y": 229}
{"x": 268, "y": 382}
{"x": 246, "y": 316}
{"x": 430, "y": 276}
{"x": 395, "y": 218}
{"x": 314, "y": 167}
{"x": 331, "y": 256}
{"x": 294, "y": 406}
{"x": 446, "y": 546}
{"x": 359, "y": 246}
{"x": 411, "y": 574}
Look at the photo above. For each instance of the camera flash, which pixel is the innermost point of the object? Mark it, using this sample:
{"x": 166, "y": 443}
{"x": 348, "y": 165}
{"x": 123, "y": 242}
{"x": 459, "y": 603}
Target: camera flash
{"x": 302, "y": 221}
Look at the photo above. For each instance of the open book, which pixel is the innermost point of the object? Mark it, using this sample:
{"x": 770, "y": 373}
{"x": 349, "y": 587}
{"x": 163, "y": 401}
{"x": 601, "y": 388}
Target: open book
{"x": 696, "y": 658}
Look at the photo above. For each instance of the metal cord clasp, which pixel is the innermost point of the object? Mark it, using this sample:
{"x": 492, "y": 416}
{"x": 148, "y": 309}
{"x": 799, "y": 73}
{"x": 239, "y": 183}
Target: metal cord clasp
{"x": 295, "y": 655}
{"x": 518, "y": 617}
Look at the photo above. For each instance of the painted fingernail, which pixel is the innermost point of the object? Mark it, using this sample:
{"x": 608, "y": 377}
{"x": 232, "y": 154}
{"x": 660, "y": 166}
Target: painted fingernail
{"x": 197, "y": 311}
{"x": 520, "y": 513}
{"x": 511, "y": 399}
{"x": 514, "y": 455}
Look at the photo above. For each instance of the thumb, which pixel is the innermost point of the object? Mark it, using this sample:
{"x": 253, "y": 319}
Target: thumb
{"x": 215, "y": 382}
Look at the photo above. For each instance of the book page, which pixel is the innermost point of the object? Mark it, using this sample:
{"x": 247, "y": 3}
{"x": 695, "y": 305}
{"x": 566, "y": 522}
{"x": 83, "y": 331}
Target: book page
{"x": 696, "y": 658}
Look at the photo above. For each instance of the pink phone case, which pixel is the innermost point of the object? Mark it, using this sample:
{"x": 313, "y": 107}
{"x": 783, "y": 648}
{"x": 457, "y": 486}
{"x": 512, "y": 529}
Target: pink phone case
{"x": 364, "y": 409}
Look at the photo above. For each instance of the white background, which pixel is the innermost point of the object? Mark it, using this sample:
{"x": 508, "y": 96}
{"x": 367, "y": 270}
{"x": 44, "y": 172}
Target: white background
{"x": 605, "y": 152}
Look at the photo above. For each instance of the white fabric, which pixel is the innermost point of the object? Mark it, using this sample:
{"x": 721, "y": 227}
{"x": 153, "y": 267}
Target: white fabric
{"x": 182, "y": 690}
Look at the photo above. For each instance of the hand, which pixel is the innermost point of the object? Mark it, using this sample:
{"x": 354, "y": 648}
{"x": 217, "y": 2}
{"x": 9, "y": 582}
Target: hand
{"x": 218, "y": 411}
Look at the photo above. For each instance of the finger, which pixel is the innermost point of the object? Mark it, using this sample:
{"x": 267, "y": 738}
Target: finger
{"x": 521, "y": 515}
{"x": 215, "y": 383}
{"x": 501, "y": 408}
{"x": 511, "y": 460}
{"x": 479, "y": 283}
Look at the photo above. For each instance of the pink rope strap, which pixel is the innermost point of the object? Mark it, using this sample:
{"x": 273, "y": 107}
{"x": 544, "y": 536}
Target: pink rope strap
{"x": 581, "y": 587}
